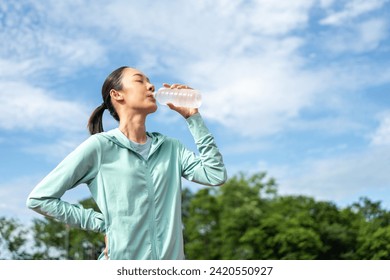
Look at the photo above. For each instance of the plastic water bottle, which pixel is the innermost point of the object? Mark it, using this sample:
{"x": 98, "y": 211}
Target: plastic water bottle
{"x": 189, "y": 98}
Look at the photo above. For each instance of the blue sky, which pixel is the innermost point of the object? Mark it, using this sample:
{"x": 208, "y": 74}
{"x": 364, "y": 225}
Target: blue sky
{"x": 299, "y": 89}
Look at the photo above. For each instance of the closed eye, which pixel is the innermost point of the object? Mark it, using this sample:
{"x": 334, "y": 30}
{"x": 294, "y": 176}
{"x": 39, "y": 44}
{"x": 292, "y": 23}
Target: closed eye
{"x": 141, "y": 78}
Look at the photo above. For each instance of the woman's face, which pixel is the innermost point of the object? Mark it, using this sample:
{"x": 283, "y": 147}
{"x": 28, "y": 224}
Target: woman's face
{"x": 137, "y": 91}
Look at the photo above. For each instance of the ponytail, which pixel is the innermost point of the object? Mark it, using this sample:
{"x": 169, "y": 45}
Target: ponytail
{"x": 113, "y": 81}
{"x": 95, "y": 122}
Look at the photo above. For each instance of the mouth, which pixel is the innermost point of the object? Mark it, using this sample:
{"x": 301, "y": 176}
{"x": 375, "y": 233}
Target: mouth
{"x": 150, "y": 95}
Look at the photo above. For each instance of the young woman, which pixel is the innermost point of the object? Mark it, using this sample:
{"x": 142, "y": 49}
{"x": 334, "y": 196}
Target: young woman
{"x": 133, "y": 175}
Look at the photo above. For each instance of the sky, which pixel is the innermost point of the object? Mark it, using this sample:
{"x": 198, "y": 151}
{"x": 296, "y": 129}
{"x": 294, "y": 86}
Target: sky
{"x": 297, "y": 89}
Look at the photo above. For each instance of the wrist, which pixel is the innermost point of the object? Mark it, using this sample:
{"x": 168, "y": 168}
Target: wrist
{"x": 191, "y": 113}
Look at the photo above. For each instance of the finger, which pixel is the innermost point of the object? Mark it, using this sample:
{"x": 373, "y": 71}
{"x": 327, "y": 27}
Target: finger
{"x": 171, "y": 106}
{"x": 183, "y": 87}
{"x": 175, "y": 85}
{"x": 178, "y": 86}
{"x": 175, "y": 108}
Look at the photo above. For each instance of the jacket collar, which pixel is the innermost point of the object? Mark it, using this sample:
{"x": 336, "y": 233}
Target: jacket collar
{"x": 116, "y": 136}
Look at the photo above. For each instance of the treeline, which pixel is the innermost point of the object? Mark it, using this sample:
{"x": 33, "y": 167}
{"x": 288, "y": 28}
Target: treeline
{"x": 242, "y": 220}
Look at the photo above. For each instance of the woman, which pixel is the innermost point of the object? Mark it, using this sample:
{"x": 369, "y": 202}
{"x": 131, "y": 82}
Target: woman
{"x": 133, "y": 175}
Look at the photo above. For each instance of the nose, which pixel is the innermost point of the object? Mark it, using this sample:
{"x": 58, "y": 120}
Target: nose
{"x": 151, "y": 87}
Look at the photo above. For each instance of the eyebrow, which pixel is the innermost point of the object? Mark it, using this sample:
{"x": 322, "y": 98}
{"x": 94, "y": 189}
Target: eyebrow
{"x": 142, "y": 76}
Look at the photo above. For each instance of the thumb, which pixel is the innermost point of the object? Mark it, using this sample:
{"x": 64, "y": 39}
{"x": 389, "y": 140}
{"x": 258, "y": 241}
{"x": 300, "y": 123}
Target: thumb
{"x": 171, "y": 106}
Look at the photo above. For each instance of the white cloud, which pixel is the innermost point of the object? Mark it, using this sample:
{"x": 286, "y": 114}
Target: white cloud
{"x": 258, "y": 96}
{"x": 352, "y": 10}
{"x": 28, "y": 108}
{"x": 278, "y": 17}
{"x": 35, "y": 42}
{"x": 245, "y": 148}
{"x": 56, "y": 150}
{"x": 326, "y": 3}
{"x": 328, "y": 125}
{"x": 361, "y": 37}
{"x": 343, "y": 178}
{"x": 254, "y": 78}
{"x": 193, "y": 28}
{"x": 13, "y": 195}
{"x": 382, "y": 135}
{"x": 17, "y": 70}
{"x": 246, "y": 59}
{"x": 372, "y": 32}
{"x": 242, "y": 54}
{"x": 74, "y": 52}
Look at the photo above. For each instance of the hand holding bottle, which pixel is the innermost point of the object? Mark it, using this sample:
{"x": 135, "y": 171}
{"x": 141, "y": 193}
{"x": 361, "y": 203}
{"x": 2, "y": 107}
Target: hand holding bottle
{"x": 188, "y": 109}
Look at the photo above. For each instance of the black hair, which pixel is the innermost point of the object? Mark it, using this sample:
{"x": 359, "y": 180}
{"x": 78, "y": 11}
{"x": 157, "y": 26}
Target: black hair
{"x": 113, "y": 81}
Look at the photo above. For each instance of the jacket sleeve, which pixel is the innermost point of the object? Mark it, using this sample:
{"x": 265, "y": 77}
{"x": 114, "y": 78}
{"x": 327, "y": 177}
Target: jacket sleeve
{"x": 207, "y": 168}
{"x": 80, "y": 166}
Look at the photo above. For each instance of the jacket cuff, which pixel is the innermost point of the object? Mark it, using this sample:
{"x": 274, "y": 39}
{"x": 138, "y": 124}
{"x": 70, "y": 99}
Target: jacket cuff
{"x": 197, "y": 126}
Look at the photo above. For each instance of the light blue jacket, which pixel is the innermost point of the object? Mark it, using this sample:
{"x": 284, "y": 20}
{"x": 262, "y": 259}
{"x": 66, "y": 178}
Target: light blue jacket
{"x": 140, "y": 199}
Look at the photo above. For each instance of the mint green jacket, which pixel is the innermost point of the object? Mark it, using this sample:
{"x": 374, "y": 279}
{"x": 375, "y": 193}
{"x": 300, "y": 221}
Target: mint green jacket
{"x": 139, "y": 200}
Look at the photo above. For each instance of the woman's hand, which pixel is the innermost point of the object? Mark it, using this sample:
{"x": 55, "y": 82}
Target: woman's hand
{"x": 185, "y": 112}
{"x": 106, "y": 248}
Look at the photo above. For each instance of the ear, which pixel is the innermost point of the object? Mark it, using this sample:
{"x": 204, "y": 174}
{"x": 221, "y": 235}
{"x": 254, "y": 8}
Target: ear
{"x": 118, "y": 96}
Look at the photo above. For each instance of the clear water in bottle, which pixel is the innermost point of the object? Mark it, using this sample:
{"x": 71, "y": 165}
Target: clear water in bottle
{"x": 188, "y": 98}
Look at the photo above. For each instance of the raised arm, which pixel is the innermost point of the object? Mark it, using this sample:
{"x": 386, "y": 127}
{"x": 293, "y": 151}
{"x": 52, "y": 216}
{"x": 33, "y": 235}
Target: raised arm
{"x": 207, "y": 168}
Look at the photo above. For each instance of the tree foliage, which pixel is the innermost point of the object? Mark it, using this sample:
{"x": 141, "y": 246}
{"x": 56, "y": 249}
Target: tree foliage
{"x": 13, "y": 240}
{"x": 247, "y": 219}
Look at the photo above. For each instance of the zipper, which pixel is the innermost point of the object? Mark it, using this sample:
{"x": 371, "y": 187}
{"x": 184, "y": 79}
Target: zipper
{"x": 151, "y": 198}
{"x": 152, "y": 214}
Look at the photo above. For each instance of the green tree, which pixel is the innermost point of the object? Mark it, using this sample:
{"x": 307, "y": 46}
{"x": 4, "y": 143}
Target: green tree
{"x": 375, "y": 245}
{"x": 243, "y": 202}
{"x": 201, "y": 232}
{"x": 374, "y": 233}
{"x": 338, "y": 230}
{"x": 223, "y": 223}
{"x": 246, "y": 219}
{"x": 290, "y": 228}
{"x": 13, "y": 240}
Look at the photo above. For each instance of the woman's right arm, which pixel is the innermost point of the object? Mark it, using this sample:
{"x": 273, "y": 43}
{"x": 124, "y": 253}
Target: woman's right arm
{"x": 80, "y": 166}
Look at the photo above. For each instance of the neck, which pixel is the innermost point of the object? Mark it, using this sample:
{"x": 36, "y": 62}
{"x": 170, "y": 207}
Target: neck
{"x": 133, "y": 127}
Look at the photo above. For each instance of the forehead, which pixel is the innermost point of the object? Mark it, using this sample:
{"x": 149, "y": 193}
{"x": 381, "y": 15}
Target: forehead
{"x": 131, "y": 72}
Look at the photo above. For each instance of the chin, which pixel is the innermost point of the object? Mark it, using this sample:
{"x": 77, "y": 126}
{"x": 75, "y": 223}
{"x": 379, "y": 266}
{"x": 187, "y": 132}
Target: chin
{"x": 153, "y": 109}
